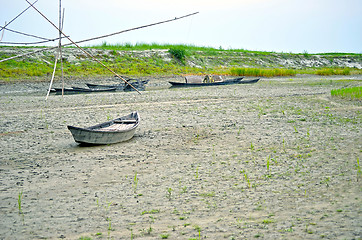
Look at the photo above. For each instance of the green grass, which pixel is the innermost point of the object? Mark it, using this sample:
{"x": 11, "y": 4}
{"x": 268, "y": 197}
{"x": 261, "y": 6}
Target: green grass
{"x": 121, "y": 59}
{"x": 146, "y": 46}
{"x": 259, "y": 72}
{"x": 333, "y": 71}
{"x": 353, "y": 93}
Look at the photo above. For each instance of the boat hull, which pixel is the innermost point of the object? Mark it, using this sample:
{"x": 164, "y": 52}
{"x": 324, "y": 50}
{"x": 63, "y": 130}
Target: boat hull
{"x": 100, "y": 134}
{"x": 139, "y": 85}
{"x": 226, "y": 82}
{"x": 119, "y": 87}
{"x": 77, "y": 90}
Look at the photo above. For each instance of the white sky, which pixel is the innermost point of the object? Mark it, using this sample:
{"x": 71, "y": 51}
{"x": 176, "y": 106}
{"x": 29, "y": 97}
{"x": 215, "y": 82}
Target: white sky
{"x": 268, "y": 25}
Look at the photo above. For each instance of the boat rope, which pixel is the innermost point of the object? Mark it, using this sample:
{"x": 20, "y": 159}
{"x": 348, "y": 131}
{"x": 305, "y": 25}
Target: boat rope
{"x": 104, "y": 36}
{"x": 87, "y": 53}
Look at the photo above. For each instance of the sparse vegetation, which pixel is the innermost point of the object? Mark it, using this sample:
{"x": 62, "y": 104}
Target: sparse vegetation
{"x": 267, "y": 160}
{"x": 179, "y": 53}
{"x": 182, "y": 59}
{"x": 260, "y": 72}
{"x": 353, "y": 93}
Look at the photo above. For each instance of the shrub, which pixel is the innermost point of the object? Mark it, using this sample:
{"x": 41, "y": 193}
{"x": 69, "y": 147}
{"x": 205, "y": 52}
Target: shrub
{"x": 178, "y": 53}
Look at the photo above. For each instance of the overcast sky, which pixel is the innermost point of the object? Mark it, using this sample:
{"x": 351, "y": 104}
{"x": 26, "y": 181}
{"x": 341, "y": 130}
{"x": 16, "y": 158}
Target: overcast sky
{"x": 297, "y": 26}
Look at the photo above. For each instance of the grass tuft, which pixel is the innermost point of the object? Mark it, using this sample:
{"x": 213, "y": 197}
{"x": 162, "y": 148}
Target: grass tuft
{"x": 353, "y": 93}
{"x": 259, "y": 72}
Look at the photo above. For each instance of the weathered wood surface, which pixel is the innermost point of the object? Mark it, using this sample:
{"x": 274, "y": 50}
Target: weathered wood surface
{"x": 114, "y": 131}
{"x": 225, "y": 82}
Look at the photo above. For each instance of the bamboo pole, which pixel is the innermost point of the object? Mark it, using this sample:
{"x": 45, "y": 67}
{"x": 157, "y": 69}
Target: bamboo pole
{"x": 1, "y": 28}
{"x": 2, "y": 34}
{"x": 60, "y": 49}
{"x": 59, "y": 54}
{"x": 60, "y": 40}
{"x": 28, "y": 35}
{"x": 51, "y": 81}
{"x": 87, "y": 53}
{"x": 96, "y": 38}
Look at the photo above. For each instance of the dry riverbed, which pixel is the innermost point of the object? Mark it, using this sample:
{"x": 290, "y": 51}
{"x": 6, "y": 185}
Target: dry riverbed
{"x": 272, "y": 160}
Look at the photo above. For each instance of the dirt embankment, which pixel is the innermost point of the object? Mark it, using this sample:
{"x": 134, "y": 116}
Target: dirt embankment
{"x": 201, "y": 59}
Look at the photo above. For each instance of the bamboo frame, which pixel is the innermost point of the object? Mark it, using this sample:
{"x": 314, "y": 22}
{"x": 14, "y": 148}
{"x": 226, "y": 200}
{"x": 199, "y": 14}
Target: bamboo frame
{"x": 87, "y": 53}
{"x": 96, "y": 38}
{"x": 1, "y": 28}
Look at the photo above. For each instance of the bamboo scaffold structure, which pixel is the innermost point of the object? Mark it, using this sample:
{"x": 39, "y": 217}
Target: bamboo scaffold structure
{"x": 59, "y": 52}
{"x": 87, "y": 53}
{"x": 7, "y": 24}
{"x": 99, "y": 37}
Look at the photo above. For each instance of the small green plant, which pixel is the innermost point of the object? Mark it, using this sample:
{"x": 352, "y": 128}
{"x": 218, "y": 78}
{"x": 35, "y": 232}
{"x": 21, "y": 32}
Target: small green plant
{"x": 152, "y": 220}
{"x": 109, "y": 227}
{"x": 131, "y": 233}
{"x": 198, "y": 229}
{"x": 284, "y": 145}
{"x": 135, "y": 182}
{"x": 20, "y": 197}
{"x": 325, "y": 181}
{"x": 165, "y": 236}
{"x": 268, "y": 221}
{"x": 247, "y": 179}
{"x": 309, "y": 231}
{"x": 295, "y": 129}
{"x": 107, "y": 206}
{"x": 184, "y": 189}
{"x": 268, "y": 163}
{"x": 169, "y": 192}
{"x": 251, "y": 146}
{"x": 108, "y": 116}
{"x": 197, "y": 173}
{"x": 85, "y": 238}
{"x": 151, "y": 211}
{"x": 359, "y": 172}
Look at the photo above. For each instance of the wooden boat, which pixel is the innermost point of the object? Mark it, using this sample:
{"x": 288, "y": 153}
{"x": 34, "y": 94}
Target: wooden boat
{"x": 224, "y": 82}
{"x": 78, "y": 90}
{"x": 119, "y": 87}
{"x": 114, "y": 131}
{"x": 139, "y": 85}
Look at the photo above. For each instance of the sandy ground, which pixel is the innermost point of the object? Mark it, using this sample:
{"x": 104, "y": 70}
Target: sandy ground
{"x": 272, "y": 160}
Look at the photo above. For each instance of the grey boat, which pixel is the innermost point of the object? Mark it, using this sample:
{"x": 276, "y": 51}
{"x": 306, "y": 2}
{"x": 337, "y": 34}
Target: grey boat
{"x": 114, "y": 131}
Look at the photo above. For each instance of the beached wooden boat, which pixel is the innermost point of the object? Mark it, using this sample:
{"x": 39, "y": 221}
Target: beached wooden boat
{"x": 114, "y": 131}
{"x": 139, "y": 85}
{"x": 119, "y": 87}
{"x": 218, "y": 83}
{"x": 78, "y": 90}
